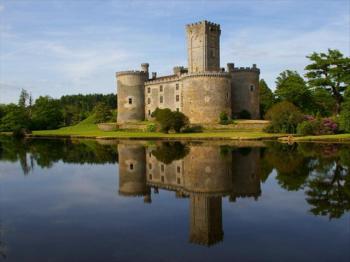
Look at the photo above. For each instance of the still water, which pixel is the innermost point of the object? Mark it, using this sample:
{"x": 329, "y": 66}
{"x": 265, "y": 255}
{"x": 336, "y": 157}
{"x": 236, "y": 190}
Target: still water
{"x": 83, "y": 200}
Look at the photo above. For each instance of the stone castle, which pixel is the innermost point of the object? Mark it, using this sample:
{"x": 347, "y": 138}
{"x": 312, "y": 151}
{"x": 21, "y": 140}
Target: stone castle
{"x": 204, "y": 176}
{"x": 201, "y": 91}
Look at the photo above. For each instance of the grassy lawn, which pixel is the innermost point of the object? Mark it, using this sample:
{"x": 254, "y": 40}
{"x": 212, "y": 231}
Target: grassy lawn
{"x": 339, "y": 137}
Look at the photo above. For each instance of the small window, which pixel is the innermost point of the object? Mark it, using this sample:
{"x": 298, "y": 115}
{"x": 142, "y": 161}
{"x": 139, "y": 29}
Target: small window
{"x": 177, "y": 86}
{"x": 149, "y": 100}
{"x": 150, "y": 166}
{"x": 178, "y": 169}
{"x": 252, "y": 87}
{"x": 130, "y": 101}
{"x": 149, "y": 112}
{"x": 149, "y": 90}
{"x": 178, "y": 181}
{"x": 161, "y": 99}
{"x": 150, "y": 176}
{"x": 177, "y": 98}
{"x": 131, "y": 167}
{"x": 161, "y": 88}
{"x": 177, "y": 109}
{"x": 150, "y": 154}
{"x": 162, "y": 168}
{"x": 162, "y": 178}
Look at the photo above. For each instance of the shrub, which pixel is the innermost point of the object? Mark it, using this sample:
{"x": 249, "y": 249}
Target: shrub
{"x": 20, "y": 132}
{"x": 170, "y": 120}
{"x": 306, "y": 128}
{"x": 344, "y": 119}
{"x": 193, "y": 129}
{"x": 244, "y": 114}
{"x": 151, "y": 128}
{"x": 284, "y": 117}
{"x": 224, "y": 119}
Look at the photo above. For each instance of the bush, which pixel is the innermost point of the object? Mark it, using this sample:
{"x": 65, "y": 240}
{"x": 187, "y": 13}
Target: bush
{"x": 193, "y": 129}
{"x": 170, "y": 120}
{"x": 151, "y": 128}
{"x": 244, "y": 114}
{"x": 284, "y": 117}
{"x": 224, "y": 119}
{"x": 20, "y": 132}
{"x": 306, "y": 128}
{"x": 344, "y": 119}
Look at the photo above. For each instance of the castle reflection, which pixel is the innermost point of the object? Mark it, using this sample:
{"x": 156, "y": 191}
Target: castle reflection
{"x": 204, "y": 173}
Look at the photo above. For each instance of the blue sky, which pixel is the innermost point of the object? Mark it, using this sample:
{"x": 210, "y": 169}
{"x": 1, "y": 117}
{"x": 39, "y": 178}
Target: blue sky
{"x": 76, "y": 46}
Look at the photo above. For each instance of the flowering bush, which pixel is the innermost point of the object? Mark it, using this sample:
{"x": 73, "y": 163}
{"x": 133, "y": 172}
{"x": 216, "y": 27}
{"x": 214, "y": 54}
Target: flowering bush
{"x": 317, "y": 126}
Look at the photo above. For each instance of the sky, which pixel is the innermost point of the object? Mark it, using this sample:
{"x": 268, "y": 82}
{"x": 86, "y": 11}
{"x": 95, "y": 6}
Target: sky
{"x": 62, "y": 47}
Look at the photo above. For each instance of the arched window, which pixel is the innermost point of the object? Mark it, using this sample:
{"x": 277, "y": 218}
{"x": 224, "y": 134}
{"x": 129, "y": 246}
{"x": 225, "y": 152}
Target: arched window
{"x": 149, "y": 100}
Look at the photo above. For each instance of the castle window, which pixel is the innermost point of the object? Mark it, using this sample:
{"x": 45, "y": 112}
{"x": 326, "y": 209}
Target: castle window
{"x": 150, "y": 176}
{"x": 149, "y": 100}
{"x": 252, "y": 87}
{"x": 177, "y": 86}
{"x": 178, "y": 181}
{"x": 150, "y": 154}
{"x": 131, "y": 166}
{"x": 161, "y": 99}
{"x": 149, "y": 112}
{"x": 162, "y": 178}
{"x": 178, "y": 169}
{"x": 177, "y": 109}
{"x": 150, "y": 166}
{"x": 177, "y": 98}
{"x": 161, "y": 88}
{"x": 149, "y": 90}
{"x": 162, "y": 168}
{"x": 130, "y": 101}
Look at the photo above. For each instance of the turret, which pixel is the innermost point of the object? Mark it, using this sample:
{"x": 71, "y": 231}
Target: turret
{"x": 245, "y": 90}
{"x": 131, "y": 94}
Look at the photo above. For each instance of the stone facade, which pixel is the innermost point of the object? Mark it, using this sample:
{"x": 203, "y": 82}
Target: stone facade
{"x": 202, "y": 91}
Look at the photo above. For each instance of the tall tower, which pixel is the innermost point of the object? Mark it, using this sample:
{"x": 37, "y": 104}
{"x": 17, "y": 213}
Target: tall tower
{"x": 203, "y": 46}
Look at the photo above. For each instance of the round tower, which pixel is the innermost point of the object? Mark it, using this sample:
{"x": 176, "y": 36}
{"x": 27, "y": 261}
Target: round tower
{"x": 245, "y": 90}
{"x": 206, "y": 95}
{"x": 132, "y": 170}
{"x": 131, "y": 95}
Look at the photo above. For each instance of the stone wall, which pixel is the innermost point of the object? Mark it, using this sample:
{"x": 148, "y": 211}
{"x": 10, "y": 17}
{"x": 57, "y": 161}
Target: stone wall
{"x": 205, "y": 96}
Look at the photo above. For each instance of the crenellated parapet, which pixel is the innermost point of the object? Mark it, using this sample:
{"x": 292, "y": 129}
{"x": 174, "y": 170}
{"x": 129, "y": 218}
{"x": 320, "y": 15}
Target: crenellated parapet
{"x": 231, "y": 68}
{"x": 204, "y": 22}
{"x": 206, "y": 74}
{"x": 131, "y": 72}
{"x": 163, "y": 79}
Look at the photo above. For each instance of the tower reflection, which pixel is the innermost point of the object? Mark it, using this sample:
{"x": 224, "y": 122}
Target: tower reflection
{"x": 204, "y": 173}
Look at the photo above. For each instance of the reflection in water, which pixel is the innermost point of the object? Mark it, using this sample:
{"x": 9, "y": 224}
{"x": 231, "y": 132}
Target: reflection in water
{"x": 202, "y": 174}
{"x": 205, "y": 174}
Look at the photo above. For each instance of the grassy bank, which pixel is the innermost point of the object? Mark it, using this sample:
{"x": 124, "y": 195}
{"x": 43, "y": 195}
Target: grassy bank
{"x": 325, "y": 138}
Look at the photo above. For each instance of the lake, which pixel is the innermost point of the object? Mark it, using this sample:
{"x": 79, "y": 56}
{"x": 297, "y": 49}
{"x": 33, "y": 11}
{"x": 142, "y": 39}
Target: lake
{"x": 87, "y": 200}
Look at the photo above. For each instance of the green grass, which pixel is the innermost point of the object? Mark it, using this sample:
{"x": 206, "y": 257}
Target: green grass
{"x": 339, "y": 137}
{"x": 87, "y": 128}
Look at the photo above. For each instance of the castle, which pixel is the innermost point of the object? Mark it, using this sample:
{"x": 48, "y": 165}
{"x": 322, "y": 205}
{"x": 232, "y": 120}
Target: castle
{"x": 201, "y": 91}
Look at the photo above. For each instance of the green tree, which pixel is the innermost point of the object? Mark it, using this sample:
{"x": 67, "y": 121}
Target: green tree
{"x": 46, "y": 113}
{"x": 23, "y": 98}
{"x": 284, "y": 117}
{"x": 323, "y": 102}
{"x": 266, "y": 97}
{"x": 15, "y": 117}
{"x": 291, "y": 87}
{"x": 330, "y": 71}
{"x": 102, "y": 112}
{"x": 168, "y": 119}
{"x": 344, "y": 118}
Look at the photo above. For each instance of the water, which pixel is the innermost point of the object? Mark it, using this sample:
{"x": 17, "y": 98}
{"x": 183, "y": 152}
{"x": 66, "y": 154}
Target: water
{"x": 63, "y": 200}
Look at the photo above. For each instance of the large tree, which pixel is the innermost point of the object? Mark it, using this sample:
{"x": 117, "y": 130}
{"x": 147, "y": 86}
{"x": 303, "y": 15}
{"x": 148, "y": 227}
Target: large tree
{"x": 291, "y": 87}
{"x": 266, "y": 97}
{"x": 345, "y": 112}
{"x": 46, "y": 113}
{"x": 330, "y": 71}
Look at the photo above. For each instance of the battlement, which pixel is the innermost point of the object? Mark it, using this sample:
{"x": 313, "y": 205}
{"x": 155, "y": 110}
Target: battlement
{"x": 204, "y": 22}
{"x": 130, "y": 72}
{"x": 252, "y": 69}
{"x": 162, "y": 79}
{"x": 206, "y": 74}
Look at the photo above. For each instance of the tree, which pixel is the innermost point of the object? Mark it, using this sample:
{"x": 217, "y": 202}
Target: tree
{"x": 345, "y": 112}
{"x": 284, "y": 117}
{"x": 266, "y": 97}
{"x": 23, "y": 97}
{"x": 170, "y": 119}
{"x": 46, "y": 113}
{"x": 102, "y": 113}
{"x": 323, "y": 102}
{"x": 330, "y": 71}
{"x": 291, "y": 87}
{"x": 15, "y": 117}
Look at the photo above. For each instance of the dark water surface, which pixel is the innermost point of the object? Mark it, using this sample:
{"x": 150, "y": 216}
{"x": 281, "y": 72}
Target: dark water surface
{"x": 63, "y": 200}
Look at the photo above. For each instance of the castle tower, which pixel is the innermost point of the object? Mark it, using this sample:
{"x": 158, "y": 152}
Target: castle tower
{"x": 245, "y": 90}
{"x": 206, "y": 220}
{"x": 131, "y": 94}
{"x": 203, "y": 47}
{"x": 132, "y": 171}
